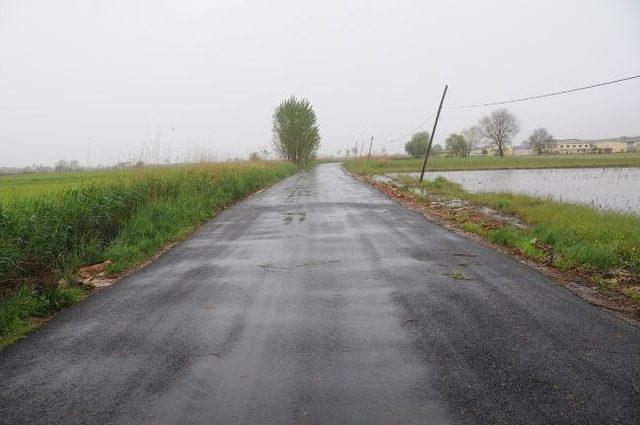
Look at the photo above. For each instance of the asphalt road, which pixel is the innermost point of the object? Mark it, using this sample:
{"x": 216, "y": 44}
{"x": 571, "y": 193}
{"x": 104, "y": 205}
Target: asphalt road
{"x": 320, "y": 301}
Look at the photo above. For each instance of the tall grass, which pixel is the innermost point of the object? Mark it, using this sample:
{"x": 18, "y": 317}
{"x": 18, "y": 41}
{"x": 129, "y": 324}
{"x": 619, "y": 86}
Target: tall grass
{"x": 124, "y": 218}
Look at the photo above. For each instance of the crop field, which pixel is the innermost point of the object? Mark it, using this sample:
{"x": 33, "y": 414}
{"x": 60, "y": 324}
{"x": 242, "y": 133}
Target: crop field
{"x": 33, "y": 185}
{"x": 54, "y": 223}
{"x": 437, "y": 163}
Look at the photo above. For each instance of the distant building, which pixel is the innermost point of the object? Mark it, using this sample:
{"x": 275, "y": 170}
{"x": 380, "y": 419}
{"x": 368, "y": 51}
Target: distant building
{"x": 570, "y": 146}
{"x": 478, "y": 151}
{"x": 567, "y": 147}
{"x": 578, "y": 146}
{"x": 491, "y": 150}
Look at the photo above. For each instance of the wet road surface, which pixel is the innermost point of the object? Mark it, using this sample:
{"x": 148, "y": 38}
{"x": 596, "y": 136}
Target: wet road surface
{"x": 321, "y": 301}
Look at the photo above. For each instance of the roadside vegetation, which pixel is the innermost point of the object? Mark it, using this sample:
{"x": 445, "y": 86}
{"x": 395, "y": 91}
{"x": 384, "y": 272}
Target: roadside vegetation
{"x": 602, "y": 246}
{"x": 125, "y": 217}
{"x": 381, "y": 165}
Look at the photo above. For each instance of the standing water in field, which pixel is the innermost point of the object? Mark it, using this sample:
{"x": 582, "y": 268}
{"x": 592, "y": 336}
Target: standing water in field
{"x": 605, "y": 188}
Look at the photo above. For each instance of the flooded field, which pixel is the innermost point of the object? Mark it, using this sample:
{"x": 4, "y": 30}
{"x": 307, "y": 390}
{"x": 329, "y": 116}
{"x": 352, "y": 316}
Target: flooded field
{"x": 605, "y": 188}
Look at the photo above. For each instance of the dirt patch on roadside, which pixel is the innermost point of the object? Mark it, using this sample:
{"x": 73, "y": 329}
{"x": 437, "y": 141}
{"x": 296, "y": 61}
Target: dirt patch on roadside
{"x": 95, "y": 276}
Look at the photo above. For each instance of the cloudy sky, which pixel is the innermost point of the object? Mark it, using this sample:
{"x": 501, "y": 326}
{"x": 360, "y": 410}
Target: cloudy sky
{"x": 102, "y": 81}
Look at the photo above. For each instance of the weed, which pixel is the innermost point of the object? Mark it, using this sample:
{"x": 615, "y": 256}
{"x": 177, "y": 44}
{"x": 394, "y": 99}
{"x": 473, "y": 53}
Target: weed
{"x": 471, "y": 227}
{"x": 17, "y": 311}
{"x": 502, "y": 204}
{"x": 633, "y": 294}
{"x": 506, "y": 236}
{"x": 601, "y": 283}
{"x": 456, "y": 275}
{"x": 599, "y": 256}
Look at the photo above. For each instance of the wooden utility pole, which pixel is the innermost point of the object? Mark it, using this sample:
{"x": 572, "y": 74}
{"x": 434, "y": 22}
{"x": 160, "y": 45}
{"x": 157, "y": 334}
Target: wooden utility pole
{"x": 370, "y": 146}
{"x": 433, "y": 132}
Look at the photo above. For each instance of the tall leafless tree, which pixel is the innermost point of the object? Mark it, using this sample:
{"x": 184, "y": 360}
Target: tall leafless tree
{"x": 499, "y": 127}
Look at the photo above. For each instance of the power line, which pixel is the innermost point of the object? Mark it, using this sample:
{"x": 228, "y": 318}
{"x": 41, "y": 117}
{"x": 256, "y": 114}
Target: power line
{"x": 409, "y": 133}
{"x": 522, "y": 99}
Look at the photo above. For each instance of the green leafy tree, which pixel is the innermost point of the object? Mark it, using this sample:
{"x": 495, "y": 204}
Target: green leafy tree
{"x": 296, "y": 136}
{"x": 539, "y": 141}
{"x": 417, "y": 146}
{"x": 457, "y": 145}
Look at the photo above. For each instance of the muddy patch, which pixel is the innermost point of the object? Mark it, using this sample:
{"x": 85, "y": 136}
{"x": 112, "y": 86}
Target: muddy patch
{"x": 95, "y": 276}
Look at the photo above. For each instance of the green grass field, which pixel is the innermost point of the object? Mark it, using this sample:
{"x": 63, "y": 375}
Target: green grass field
{"x": 45, "y": 184}
{"x": 390, "y": 165}
{"x": 52, "y": 224}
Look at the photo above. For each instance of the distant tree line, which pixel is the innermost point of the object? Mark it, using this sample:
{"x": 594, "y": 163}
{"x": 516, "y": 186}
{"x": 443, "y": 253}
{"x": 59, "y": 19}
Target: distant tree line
{"x": 59, "y": 166}
{"x": 496, "y": 129}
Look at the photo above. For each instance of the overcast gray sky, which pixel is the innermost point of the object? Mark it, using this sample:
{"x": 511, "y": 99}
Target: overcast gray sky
{"x": 112, "y": 75}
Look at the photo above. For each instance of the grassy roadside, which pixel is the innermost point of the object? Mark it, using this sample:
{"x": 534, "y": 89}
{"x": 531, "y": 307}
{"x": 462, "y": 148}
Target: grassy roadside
{"x": 603, "y": 247}
{"x": 393, "y": 165}
{"x": 124, "y": 218}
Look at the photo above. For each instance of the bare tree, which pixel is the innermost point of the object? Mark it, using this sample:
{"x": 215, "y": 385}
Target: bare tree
{"x": 540, "y": 140}
{"x": 499, "y": 127}
{"x": 472, "y": 135}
